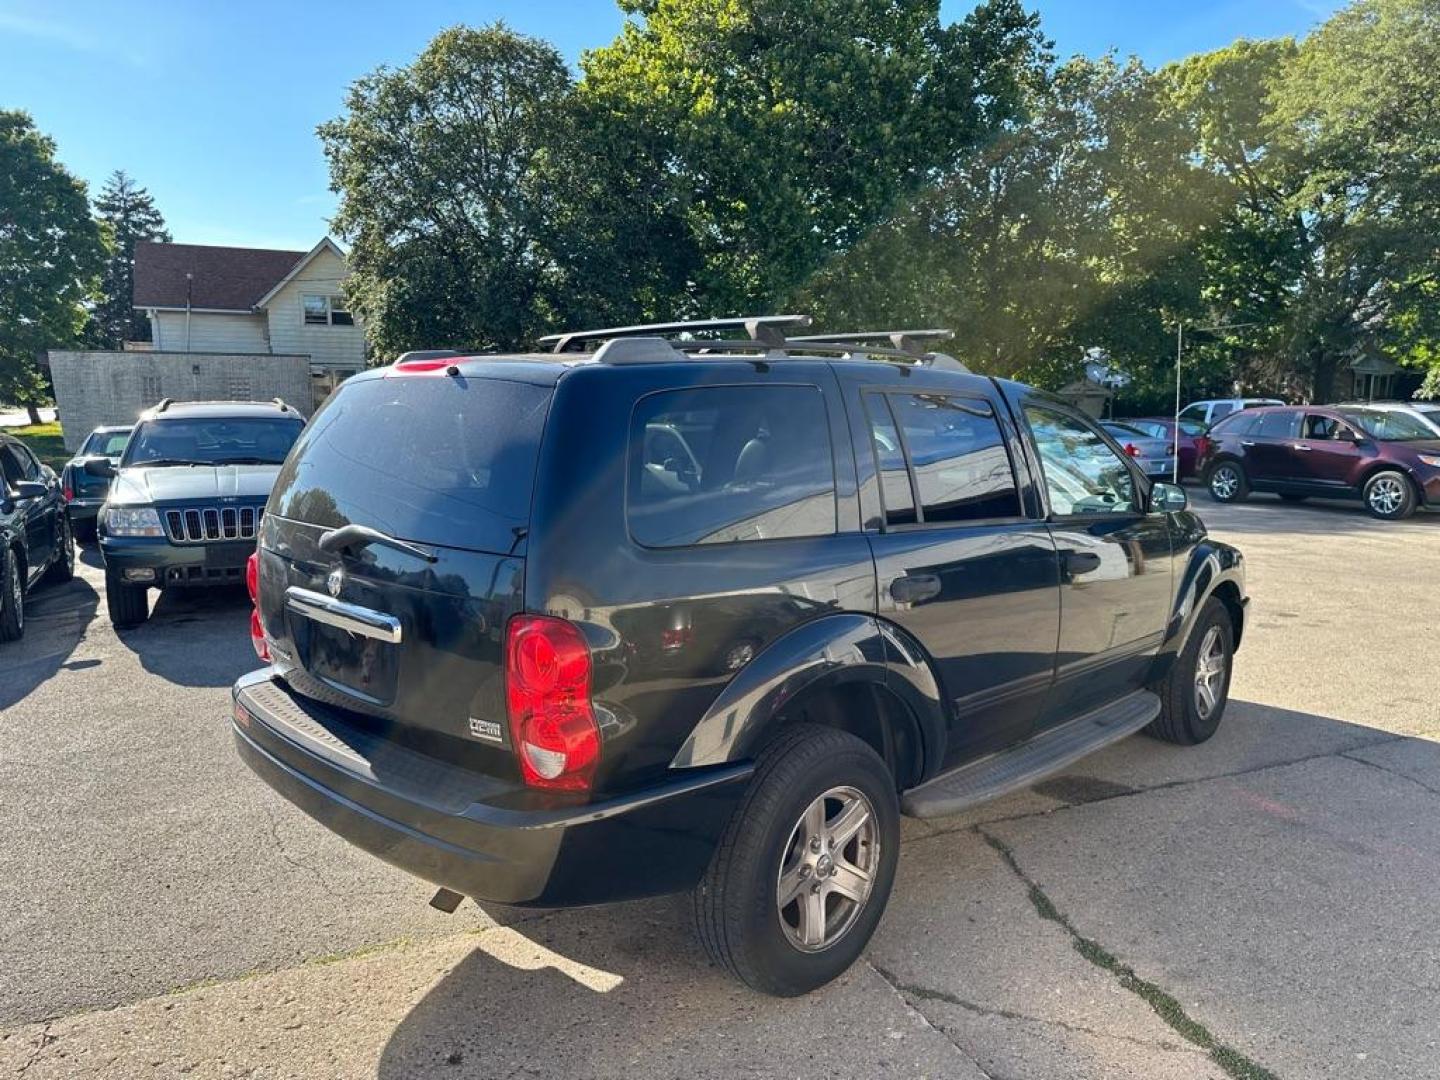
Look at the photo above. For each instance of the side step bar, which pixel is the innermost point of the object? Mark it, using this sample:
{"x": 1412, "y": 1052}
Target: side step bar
{"x": 1020, "y": 766}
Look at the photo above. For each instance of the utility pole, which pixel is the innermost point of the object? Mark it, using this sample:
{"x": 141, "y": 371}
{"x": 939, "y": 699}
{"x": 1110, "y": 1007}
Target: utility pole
{"x": 1179, "y": 355}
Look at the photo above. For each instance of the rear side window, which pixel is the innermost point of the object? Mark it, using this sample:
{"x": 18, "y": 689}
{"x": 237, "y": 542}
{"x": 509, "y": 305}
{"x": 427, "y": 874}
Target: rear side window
{"x": 1275, "y": 425}
{"x": 720, "y": 464}
{"x": 436, "y": 460}
{"x": 1221, "y": 409}
{"x": 960, "y": 467}
{"x": 1238, "y": 424}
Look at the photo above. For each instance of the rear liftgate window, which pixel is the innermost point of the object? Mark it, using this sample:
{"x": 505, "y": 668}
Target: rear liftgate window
{"x": 720, "y": 464}
{"x": 444, "y": 461}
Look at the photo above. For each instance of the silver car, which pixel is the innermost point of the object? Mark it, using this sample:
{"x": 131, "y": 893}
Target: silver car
{"x": 1156, "y": 457}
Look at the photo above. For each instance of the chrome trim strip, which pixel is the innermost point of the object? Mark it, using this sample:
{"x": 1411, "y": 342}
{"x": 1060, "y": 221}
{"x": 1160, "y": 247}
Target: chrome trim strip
{"x": 352, "y": 617}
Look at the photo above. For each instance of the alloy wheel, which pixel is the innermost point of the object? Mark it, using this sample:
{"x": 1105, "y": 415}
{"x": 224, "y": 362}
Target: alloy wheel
{"x": 16, "y": 590}
{"x": 1386, "y": 495}
{"x": 67, "y": 546}
{"x": 1210, "y": 664}
{"x": 828, "y": 869}
{"x": 1224, "y": 482}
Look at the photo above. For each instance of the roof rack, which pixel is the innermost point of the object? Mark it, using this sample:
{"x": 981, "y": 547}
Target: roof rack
{"x": 906, "y": 341}
{"x": 164, "y": 404}
{"x": 761, "y": 328}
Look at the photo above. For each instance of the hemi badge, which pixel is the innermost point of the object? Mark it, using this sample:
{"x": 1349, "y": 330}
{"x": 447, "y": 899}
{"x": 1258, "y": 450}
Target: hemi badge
{"x": 488, "y": 730}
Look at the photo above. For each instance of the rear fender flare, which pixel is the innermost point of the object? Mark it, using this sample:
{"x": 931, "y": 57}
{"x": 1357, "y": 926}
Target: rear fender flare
{"x": 838, "y": 649}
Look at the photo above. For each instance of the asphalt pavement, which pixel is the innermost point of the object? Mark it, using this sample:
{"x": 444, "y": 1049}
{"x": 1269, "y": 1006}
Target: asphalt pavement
{"x": 1258, "y": 906}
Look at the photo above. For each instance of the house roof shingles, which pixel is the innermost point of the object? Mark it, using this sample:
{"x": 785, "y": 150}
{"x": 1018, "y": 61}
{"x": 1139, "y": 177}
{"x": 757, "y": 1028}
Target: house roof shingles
{"x": 226, "y": 278}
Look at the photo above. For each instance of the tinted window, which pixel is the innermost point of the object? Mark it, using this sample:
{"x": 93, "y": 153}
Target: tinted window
{"x": 1274, "y": 425}
{"x": 1237, "y": 424}
{"x": 10, "y": 464}
{"x": 1194, "y": 412}
{"x": 24, "y": 464}
{"x": 1388, "y": 426}
{"x": 961, "y": 467}
{"x": 757, "y": 465}
{"x": 1082, "y": 474}
{"x": 437, "y": 460}
{"x": 213, "y": 440}
{"x": 1220, "y": 409}
{"x": 895, "y": 491}
{"x": 106, "y": 443}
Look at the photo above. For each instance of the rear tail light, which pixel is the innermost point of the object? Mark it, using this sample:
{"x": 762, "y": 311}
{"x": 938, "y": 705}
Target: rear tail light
{"x": 252, "y": 585}
{"x": 1202, "y": 446}
{"x": 68, "y": 492}
{"x": 547, "y": 695}
{"x": 1132, "y": 449}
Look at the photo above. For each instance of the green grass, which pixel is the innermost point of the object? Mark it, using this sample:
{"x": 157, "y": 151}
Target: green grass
{"x": 45, "y": 442}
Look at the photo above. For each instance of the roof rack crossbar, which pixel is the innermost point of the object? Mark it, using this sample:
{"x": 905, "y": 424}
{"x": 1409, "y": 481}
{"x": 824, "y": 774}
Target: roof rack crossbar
{"x": 906, "y": 341}
{"x": 759, "y": 327}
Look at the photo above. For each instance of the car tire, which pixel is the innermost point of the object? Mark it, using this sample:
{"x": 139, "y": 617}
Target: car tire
{"x": 1188, "y": 713}
{"x": 12, "y": 598}
{"x": 128, "y": 605}
{"x": 778, "y": 839}
{"x": 1389, "y": 495}
{"x": 1227, "y": 482}
{"x": 63, "y": 568}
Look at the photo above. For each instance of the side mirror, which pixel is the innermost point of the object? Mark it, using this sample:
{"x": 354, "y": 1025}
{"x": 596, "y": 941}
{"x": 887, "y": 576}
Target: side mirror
{"x": 30, "y": 489}
{"x": 1168, "y": 498}
{"x": 99, "y": 466}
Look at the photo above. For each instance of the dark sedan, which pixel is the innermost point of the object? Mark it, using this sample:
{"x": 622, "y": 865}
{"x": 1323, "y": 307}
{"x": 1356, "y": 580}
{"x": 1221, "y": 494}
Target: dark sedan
{"x": 35, "y": 539}
{"x": 85, "y": 492}
{"x": 1389, "y": 460}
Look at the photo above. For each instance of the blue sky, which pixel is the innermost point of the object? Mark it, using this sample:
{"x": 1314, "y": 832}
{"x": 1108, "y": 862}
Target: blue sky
{"x": 213, "y": 106}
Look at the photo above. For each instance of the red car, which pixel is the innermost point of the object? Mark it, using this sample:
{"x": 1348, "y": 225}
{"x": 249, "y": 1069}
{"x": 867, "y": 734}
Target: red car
{"x": 1190, "y": 446}
{"x": 1389, "y": 460}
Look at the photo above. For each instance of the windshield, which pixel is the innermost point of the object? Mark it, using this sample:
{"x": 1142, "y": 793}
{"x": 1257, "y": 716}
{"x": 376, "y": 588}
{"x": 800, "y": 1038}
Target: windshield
{"x": 1125, "y": 431}
{"x": 219, "y": 440}
{"x": 1388, "y": 426}
{"x": 106, "y": 443}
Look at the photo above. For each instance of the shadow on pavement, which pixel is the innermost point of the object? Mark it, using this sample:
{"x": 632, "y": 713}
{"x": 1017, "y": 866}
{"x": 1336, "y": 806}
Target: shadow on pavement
{"x": 56, "y": 617}
{"x": 1271, "y": 514}
{"x": 195, "y": 637}
{"x": 960, "y": 928}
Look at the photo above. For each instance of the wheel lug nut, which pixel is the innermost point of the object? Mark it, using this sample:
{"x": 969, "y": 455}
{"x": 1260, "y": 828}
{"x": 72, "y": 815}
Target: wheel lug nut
{"x": 815, "y": 888}
{"x": 815, "y": 844}
{"x": 805, "y": 871}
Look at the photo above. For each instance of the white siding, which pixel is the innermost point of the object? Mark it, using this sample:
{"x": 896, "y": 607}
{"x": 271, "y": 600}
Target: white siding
{"x": 211, "y": 332}
{"x": 327, "y": 346}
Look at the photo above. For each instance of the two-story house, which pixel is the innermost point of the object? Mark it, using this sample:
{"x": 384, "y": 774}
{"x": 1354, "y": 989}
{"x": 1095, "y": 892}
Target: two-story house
{"x": 202, "y": 299}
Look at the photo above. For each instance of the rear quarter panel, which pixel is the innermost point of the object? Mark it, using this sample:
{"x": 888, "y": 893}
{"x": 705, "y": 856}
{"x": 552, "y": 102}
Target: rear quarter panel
{"x": 582, "y": 565}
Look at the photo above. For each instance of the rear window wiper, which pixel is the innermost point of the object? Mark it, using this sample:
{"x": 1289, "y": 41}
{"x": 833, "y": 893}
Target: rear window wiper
{"x": 355, "y": 537}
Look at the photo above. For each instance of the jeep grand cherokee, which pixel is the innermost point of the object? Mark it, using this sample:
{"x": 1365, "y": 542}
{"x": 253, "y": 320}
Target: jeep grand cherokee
{"x": 710, "y": 615}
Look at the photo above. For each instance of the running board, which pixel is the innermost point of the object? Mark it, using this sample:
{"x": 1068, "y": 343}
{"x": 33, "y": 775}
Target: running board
{"x": 1022, "y": 765}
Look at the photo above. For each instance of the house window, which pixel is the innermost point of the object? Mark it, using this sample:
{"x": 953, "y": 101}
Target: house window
{"x": 327, "y": 311}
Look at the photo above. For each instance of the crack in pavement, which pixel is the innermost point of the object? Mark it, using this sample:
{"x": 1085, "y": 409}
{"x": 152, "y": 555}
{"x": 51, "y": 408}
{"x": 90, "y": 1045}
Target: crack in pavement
{"x": 287, "y": 857}
{"x": 1348, "y": 755}
{"x": 1164, "y": 1004}
{"x": 1169, "y": 785}
{"x": 45, "y": 1040}
{"x": 890, "y": 981}
{"x": 927, "y": 994}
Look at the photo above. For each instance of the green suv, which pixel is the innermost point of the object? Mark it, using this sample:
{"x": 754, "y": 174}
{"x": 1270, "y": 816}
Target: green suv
{"x": 186, "y": 500}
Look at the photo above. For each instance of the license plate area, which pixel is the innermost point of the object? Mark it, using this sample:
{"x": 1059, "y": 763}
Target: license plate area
{"x": 353, "y": 650}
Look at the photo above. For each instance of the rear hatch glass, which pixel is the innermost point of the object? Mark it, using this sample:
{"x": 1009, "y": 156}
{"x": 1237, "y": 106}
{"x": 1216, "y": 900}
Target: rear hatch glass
{"x": 434, "y": 459}
{"x": 410, "y": 641}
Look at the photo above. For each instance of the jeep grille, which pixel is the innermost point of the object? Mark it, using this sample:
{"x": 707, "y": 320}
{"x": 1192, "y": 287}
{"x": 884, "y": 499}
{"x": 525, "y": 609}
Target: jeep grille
{"x": 205, "y": 524}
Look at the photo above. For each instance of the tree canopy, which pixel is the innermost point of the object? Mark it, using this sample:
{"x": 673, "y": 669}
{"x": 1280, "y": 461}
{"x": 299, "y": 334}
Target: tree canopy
{"x": 50, "y": 257}
{"x": 127, "y": 214}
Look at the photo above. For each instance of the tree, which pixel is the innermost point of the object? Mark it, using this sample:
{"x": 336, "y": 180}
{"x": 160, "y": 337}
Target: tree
{"x": 1329, "y": 147}
{"x": 50, "y": 258}
{"x": 449, "y": 190}
{"x": 127, "y": 214}
{"x": 1074, "y": 230}
{"x": 784, "y": 132}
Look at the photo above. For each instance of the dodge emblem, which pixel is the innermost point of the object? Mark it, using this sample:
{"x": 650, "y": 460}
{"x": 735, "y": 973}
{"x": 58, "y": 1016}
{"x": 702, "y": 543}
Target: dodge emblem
{"x": 335, "y": 582}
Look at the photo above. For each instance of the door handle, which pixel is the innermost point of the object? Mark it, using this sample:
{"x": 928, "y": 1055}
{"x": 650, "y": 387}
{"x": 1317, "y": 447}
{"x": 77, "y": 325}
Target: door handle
{"x": 914, "y": 588}
{"x": 1301, "y": 446}
{"x": 1247, "y": 442}
{"x": 1079, "y": 562}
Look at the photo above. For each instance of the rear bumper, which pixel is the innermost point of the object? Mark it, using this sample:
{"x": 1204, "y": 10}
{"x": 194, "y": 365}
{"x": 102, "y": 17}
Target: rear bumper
{"x": 85, "y": 509}
{"x": 466, "y": 831}
{"x": 220, "y": 563}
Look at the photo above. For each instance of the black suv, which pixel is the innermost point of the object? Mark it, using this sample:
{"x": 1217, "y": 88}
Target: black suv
{"x": 185, "y": 502}
{"x": 702, "y": 614}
